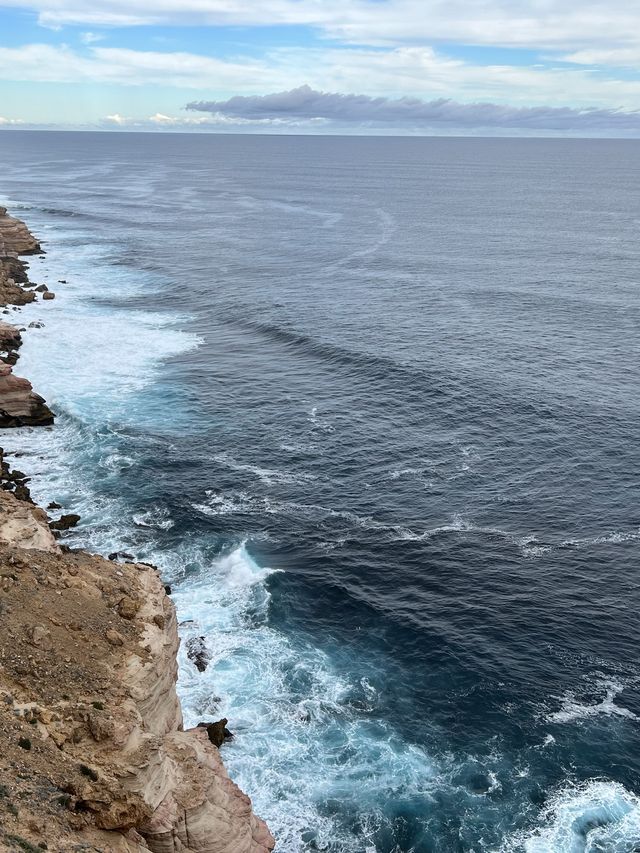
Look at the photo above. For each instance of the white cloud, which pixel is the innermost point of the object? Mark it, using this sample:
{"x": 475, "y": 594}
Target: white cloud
{"x": 423, "y": 72}
{"x": 624, "y": 57}
{"x": 215, "y": 121}
{"x": 415, "y": 71}
{"x": 91, "y": 38}
{"x": 162, "y": 120}
{"x": 548, "y": 24}
{"x": 47, "y": 63}
{"x": 6, "y": 122}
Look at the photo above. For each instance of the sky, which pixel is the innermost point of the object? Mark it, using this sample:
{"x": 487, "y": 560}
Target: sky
{"x": 484, "y": 67}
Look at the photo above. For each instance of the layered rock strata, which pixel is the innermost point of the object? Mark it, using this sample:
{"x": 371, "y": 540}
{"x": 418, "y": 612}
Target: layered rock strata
{"x": 92, "y": 750}
{"x": 19, "y": 404}
{"x": 15, "y": 237}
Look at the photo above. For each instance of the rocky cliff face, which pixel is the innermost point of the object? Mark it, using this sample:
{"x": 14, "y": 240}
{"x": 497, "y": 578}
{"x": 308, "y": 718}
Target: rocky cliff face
{"x": 16, "y": 237}
{"x": 19, "y": 404}
{"x": 92, "y": 750}
{"x": 93, "y": 756}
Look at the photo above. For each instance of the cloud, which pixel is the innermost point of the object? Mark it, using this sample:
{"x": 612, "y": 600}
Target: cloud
{"x": 427, "y": 73}
{"x": 117, "y": 119}
{"x": 421, "y": 72}
{"x": 162, "y": 120}
{"x": 552, "y": 24}
{"x": 45, "y": 63}
{"x": 374, "y": 83}
{"x": 8, "y": 122}
{"x": 308, "y": 104}
{"x": 624, "y": 57}
{"x": 91, "y": 38}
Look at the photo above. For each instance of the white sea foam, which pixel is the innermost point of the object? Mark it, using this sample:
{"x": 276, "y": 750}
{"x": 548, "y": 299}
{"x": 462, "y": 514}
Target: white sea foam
{"x": 269, "y": 476}
{"x": 449, "y": 467}
{"x": 297, "y": 741}
{"x": 319, "y": 422}
{"x": 244, "y": 502}
{"x": 107, "y": 377}
{"x": 156, "y": 517}
{"x": 406, "y": 472}
{"x": 573, "y": 710}
{"x": 533, "y": 548}
{"x": 594, "y": 817}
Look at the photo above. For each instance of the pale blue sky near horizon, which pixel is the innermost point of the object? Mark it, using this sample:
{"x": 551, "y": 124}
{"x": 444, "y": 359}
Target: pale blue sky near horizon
{"x": 521, "y": 67}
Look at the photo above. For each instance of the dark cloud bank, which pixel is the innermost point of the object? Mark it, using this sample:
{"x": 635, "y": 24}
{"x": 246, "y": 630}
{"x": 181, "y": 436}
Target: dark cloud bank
{"x": 305, "y": 103}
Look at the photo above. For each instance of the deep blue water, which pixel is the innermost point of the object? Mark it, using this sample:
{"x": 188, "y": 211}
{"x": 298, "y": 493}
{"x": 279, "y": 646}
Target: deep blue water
{"x": 374, "y": 407}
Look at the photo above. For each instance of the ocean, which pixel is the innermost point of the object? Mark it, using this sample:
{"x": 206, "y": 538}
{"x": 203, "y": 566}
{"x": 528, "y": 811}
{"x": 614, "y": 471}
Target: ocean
{"x": 373, "y": 406}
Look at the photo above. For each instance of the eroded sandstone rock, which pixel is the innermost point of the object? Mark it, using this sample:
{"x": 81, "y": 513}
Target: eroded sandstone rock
{"x": 15, "y": 236}
{"x": 19, "y": 404}
{"x": 24, "y": 525}
{"x": 92, "y": 691}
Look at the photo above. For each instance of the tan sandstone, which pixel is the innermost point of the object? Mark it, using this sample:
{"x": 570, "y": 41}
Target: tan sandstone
{"x": 92, "y": 750}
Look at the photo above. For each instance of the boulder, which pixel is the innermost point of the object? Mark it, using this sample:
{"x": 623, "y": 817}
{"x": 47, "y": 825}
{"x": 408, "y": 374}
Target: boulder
{"x": 198, "y": 653}
{"x": 65, "y": 522}
{"x": 217, "y": 732}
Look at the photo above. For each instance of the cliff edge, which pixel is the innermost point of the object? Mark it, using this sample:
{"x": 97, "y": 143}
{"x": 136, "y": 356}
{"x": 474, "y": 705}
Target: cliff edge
{"x": 19, "y": 404}
{"x": 92, "y": 750}
{"x": 93, "y": 755}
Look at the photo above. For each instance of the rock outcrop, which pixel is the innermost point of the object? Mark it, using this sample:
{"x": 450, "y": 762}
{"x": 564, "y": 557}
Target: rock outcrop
{"x": 14, "y": 481}
{"x": 15, "y": 237}
{"x": 92, "y": 750}
{"x": 19, "y": 404}
{"x": 25, "y": 525}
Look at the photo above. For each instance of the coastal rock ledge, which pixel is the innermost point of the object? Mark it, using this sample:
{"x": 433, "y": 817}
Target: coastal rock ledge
{"x": 19, "y": 404}
{"x": 93, "y": 756}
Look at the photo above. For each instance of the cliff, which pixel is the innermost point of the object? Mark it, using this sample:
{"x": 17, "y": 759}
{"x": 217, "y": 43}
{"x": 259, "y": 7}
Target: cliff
{"x": 93, "y": 755}
{"x": 19, "y": 405}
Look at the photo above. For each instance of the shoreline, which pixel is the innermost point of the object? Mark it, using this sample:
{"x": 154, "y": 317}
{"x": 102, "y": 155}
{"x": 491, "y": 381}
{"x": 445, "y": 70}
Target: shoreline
{"x": 88, "y": 668}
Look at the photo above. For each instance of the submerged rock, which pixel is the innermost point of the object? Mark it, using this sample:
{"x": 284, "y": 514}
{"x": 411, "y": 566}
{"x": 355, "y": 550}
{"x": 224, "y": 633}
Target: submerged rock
{"x": 198, "y": 653}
